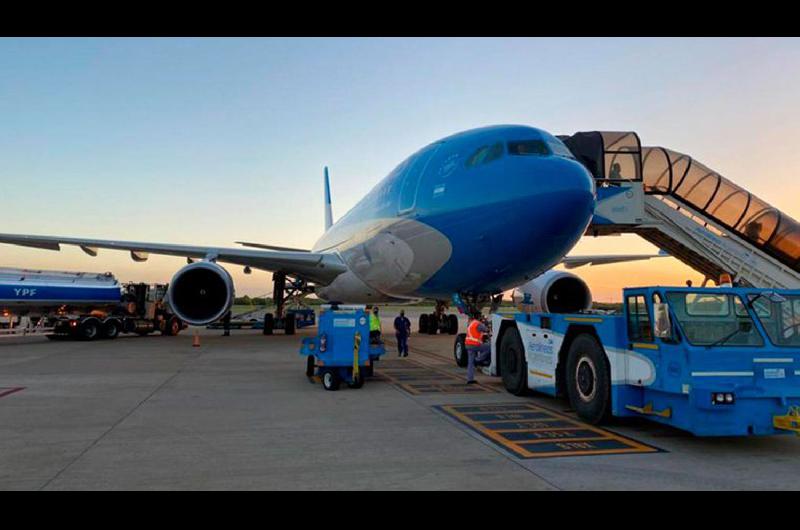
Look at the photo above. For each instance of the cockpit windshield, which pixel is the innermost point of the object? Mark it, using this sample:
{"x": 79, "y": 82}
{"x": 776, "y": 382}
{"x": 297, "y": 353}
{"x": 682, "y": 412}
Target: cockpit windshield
{"x": 714, "y": 319}
{"x": 528, "y": 148}
{"x": 559, "y": 149}
{"x": 780, "y": 317}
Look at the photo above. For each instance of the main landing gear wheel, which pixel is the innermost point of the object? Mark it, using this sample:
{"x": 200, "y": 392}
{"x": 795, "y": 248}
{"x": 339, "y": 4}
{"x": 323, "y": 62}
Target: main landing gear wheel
{"x": 588, "y": 380}
{"x": 288, "y": 325}
{"x": 460, "y": 350}
{"x": 423, "y": 323}
{"x": 433, "y": 324}
{"x": 331, "y": 381}
{"x": 452, "y": 324}
{"x": 269, "y": 324}
{"x": 513, "y": 367}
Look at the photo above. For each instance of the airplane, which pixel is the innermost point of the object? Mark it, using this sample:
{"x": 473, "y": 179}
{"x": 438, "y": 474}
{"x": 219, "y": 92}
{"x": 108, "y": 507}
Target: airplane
{"x": 461, "y": 221}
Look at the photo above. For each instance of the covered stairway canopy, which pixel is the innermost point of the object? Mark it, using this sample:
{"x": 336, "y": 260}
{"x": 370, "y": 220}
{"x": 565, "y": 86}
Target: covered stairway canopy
{"x": 613, "y": 155}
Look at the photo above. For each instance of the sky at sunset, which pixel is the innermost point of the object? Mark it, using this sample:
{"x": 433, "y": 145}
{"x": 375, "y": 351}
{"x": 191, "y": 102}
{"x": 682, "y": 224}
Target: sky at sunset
{"x": 211, "y": 141}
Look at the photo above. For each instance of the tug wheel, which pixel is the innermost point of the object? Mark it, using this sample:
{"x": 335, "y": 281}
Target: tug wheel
{"x": 357, "y": 382}
{"x": 460, "y": 350}
{"x": 513, "y": 367}
{"x": 331, "y": 381}
{"x": 310, "y": 365}
{"x": 588, "y": 379}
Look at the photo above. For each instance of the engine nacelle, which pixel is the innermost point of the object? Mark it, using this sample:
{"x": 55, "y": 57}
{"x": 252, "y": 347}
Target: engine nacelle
{"x": 555, "y": 292}
{"x": 201, "y": 293}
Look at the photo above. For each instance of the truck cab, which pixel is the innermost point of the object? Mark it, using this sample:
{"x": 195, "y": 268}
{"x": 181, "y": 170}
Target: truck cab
{"x": 712, "y": 361}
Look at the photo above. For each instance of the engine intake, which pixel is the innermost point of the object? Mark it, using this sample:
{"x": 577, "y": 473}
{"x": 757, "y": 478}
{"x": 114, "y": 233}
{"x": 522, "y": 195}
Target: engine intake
{"x": 555, "y": 292}
{"x": 201, "y": 293}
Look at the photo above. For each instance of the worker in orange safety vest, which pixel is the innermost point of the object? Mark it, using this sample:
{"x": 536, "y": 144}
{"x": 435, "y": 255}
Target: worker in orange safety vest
{"x": 478, "y": 348}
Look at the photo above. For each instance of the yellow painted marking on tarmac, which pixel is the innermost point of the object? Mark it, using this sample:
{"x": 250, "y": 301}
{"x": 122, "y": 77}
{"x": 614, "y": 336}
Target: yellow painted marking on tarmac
{"x": 541, "y": 374}
{"x": 516, "y": 447}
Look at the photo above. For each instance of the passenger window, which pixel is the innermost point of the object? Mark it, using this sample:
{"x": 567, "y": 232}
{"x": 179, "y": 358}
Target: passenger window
{"x": 528, "y": 148}
{"x": 639, "y": 328}
{"x": 485, "y": 154}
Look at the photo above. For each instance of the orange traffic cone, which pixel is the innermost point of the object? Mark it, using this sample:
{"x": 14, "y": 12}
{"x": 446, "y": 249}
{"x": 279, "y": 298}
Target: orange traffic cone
{"x": 196, "y": 339}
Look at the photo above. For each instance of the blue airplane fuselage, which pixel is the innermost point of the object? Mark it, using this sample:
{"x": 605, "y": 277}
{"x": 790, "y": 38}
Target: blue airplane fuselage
{"x": 478, "y": 212}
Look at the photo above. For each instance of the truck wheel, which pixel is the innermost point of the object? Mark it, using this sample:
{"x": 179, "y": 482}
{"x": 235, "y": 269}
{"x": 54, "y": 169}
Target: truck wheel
{"x": 460, "y": 350}
{"x": 88, "y": 330}
{"x": 269, "y": 323}
{"x": 588, "y": 379}
{"x": 452, "y": 324}
{"x": 172, "y": 328}
{"x": 331, "y": 381}
{"x": 111, "y": 329}
{"x": 423, "y": 323}
{"x": 289, "y": 324}
{"x": 513, "y": 367}
{"x": 357, "y": 382}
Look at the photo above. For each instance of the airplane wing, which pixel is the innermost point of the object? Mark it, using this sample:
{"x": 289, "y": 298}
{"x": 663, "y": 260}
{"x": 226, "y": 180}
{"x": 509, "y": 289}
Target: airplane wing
{"x": 572, "y": 262}
{"x": 270, "y": 247}
{"x": 317, "y": 267}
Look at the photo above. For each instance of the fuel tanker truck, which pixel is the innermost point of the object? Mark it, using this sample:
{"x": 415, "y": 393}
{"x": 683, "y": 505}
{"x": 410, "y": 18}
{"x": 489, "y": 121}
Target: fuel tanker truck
{"x": 81, "y": 305}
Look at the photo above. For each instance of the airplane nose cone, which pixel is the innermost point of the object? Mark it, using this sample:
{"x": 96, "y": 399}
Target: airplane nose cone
{"x": 573, "y": 196}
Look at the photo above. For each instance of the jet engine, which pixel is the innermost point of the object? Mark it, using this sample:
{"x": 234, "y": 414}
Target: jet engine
{"x": 555, "y": 292}
{"x": 201, "y": 293}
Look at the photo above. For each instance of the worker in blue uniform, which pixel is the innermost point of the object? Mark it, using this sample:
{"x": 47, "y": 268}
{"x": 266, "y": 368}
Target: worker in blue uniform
{"x": 402, "y": 329}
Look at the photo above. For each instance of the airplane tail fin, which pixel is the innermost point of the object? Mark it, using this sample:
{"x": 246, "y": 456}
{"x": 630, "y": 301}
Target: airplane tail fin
{"x": 328, "y": 210}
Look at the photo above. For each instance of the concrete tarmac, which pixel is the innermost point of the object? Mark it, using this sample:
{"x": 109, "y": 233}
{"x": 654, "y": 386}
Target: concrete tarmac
{"x": 239, "y": 413}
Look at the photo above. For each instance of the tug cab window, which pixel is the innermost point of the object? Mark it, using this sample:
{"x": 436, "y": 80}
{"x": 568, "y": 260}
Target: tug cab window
{"x": 780, "y": 318}
{"x": 639, "y": 327}
{"x": 528, "y": 148}
{"x": 717, "y": 319}
{"x": 485, "y": 154}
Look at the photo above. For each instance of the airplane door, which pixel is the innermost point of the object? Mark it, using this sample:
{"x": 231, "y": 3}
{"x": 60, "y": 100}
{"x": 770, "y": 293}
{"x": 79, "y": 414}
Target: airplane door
{"x": 410, "y": 184}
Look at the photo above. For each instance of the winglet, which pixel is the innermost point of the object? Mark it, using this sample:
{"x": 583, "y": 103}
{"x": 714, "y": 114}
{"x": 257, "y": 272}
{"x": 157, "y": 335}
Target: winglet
{"x": 328, "y": 210}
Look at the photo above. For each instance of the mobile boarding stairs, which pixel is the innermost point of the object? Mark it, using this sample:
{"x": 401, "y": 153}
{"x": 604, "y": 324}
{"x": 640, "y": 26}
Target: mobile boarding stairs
{"x": 688, "y": 210}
